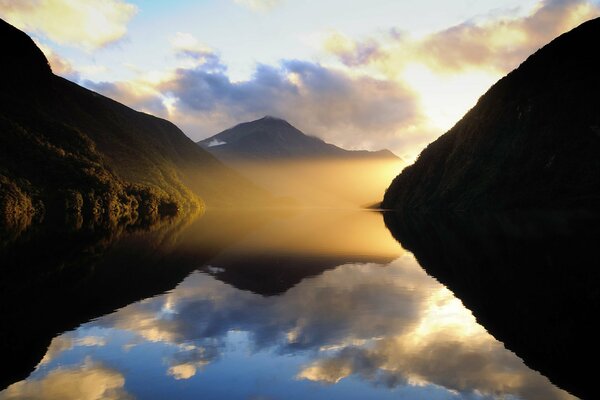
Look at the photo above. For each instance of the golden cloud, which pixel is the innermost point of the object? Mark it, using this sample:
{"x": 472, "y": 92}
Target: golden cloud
{"x": 89, "y": 24}
{"x": 91, "y": 381}
{"x": 502, "y": 44}
{"x": 139, "y": 94}
{"x": 498, "y": 43}
{"x": 182, "y": 371}
{"x": 66, "y": 342}
{"x": 450, "y": 69}
{"x": 60, "y": 66}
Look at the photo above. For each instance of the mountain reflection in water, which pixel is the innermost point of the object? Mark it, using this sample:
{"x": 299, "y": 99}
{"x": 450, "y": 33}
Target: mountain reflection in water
{"x": 307, "y": 305}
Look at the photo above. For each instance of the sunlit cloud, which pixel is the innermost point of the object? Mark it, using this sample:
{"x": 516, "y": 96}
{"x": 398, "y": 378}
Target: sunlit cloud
{"x": 354, "y": 112}
{"x": 68, "y": 341}
{"x": 90, "y": 381}
{"x": 502, "y": 44}
{"x": 186, "y": 363}
{"x": 89, "y": 24}
{"x": 450, "y": 69}
{"x": 259, "y": 5}
{"x": 399, "y": 361}
{"x": 138, "y": 94}
{"x": 351, "y": 52}
{"x": 64, "y": 68}
{"x": 59, "y": 65}
{"x": 182, "y": 371}
{"x": 497, "y": 43}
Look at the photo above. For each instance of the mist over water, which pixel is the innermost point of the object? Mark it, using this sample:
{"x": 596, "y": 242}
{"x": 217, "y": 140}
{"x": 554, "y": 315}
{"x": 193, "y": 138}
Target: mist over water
{"x": 332, "y": 183}
{"x": 270, "y": 305}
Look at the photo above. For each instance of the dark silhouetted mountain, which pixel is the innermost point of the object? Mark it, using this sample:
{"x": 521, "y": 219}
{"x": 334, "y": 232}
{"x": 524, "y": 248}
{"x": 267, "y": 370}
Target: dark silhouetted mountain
{"x": 301, "y": 169}
{"x": 275, "y": 274}
{"x": 67, "y": 150}
{"x": 532, "y": 141}
{"x": 271, "y": 138}
{"x": 530, "y": 278}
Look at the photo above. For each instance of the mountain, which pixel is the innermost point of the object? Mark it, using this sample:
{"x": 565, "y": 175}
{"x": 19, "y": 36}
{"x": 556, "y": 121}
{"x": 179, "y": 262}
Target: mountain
{"x": 65, "y": 150}
{"x": 301, "y": 169}
{"x": 531, "y": 141}
{"x": 271, "y": 138}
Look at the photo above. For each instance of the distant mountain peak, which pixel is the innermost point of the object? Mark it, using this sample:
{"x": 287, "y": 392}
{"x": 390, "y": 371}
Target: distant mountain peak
{"x": 271, "y": 137}
{"x": 272, "y": 118}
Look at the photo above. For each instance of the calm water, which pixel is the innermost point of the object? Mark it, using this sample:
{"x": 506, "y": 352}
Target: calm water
{"x": 306, "y": 305}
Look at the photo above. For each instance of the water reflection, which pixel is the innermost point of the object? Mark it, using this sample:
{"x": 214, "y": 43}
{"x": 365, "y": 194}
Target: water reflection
{"x": 530, "y": 278}
{"x": 355, "y": 329}
{"x": 88, "y": 381}
{"x": 55, "y": 279}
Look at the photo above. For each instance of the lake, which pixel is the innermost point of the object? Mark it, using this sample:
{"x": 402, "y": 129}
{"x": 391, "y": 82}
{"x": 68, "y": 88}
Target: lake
{"x": 305, "y": 304}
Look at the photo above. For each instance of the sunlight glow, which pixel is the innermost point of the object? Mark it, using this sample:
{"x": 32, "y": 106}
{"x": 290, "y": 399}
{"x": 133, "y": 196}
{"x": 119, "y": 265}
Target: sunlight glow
{"x": 444, "y": 98}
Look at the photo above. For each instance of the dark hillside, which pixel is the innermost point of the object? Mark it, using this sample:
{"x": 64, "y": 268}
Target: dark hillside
{"x": 531, "y": 279}
{"x": 67, "y": 151}
{"x": 532, "y": 141}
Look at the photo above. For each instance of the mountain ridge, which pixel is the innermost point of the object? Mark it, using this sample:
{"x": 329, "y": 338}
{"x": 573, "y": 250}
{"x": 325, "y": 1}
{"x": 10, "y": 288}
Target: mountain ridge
{"x": 303, "y": 170}
{"x": 275, "y": 138}
{"x": 531, "y": 141}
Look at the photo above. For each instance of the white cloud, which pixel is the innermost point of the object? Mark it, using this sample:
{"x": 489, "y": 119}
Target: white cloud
{"x": 89, "y": 24}
{"x": 90, "y": 381}
{"x": 66, "y": 342}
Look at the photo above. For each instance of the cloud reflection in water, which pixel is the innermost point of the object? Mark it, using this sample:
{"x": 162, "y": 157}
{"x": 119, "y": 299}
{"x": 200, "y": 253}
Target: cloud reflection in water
{"x": 368, "y": 328}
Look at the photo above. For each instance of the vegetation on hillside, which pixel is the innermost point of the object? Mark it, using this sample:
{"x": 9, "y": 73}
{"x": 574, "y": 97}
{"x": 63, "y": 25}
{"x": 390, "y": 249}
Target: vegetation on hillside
{"x": 68, "y": 152}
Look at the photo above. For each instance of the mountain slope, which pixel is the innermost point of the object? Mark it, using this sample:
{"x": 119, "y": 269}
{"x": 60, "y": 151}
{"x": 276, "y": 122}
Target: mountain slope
{"x": 533, "y": 140}
{"x": 271, "y": 138}
{"x": 65, "y": 149}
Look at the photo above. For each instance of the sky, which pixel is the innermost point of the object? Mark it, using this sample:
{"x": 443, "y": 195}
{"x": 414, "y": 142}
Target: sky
{"x": 368, "y": 74}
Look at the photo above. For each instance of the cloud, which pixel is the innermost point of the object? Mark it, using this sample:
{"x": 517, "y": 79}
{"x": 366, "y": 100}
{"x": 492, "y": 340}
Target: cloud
{"x": 351, "y": 111}
{"x": 450, "y": 69}
{"x": 259, "y": 5}
{"x": 353, "y": 53}
{"x": 200, "y": 97}
{"x": 503, "y": 44}
{"x": 59, "y": 65}
{"x": 140, "y": 95}
{"x": 402, "y": 360}
{"x": 498, "y": 43}
{"x": 185, "y": 363}
{"x": 67, "y": 341}
{"x": 203, "y": 311}
{"x": 90, "y": 381}
{"x": 89, "y": 24}
{"x": 187, "y": 47}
